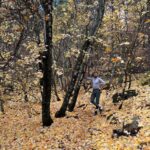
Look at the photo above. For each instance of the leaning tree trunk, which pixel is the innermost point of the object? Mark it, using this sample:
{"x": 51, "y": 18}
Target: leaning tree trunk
{"x": 77, "y": 88}
{"x": 47, "y": 63}
{"x": 83, "y": 68}
{"x": 86, "y": 45}
{"x": 81, "y": 74}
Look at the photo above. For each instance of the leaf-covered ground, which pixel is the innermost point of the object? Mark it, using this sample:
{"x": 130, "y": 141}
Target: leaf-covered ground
{"x": 21, "y": 128}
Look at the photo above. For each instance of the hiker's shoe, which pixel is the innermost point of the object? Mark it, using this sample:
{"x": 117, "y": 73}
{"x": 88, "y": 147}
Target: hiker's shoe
{"x": 100, "y": 108}
{"x": 96, "y": 112}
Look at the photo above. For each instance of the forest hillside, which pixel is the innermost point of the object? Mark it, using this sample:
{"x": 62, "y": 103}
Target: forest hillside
{"x": 75, "y": 74}
{"x": 20, "y": 127}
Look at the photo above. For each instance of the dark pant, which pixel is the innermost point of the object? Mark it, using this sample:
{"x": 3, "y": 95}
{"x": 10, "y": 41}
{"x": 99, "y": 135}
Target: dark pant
{"x": 95, "y": 95}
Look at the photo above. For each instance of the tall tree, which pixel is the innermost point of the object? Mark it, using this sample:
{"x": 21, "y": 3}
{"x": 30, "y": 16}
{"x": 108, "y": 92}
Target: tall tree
{"x": 75, "y": 74}
{"x": 47, "y": 63}
{"x": 83, "y": 66}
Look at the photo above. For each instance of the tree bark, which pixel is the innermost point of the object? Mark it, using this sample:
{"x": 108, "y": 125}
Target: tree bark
{"x": 55, "y": 87}
{"x": 72, "y": 104}
{"x": 47, "y": 63}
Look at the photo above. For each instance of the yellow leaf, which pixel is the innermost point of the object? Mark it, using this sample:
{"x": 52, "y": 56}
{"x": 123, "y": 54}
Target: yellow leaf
{"x": 26, "y": 18}
{"x": 147, "y": 21}
{"x": 108, "y": 49}
{"x": 46, "y": 18}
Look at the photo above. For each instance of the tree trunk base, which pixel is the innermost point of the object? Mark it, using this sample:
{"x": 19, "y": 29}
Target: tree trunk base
{"x": 70, "y": 108}
{"x": 60, "y": 114}
{"x": 47, "y": 123}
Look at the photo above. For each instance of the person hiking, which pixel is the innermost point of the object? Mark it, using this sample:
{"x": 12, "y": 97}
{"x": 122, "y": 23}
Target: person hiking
{"x": 97, "y": 85}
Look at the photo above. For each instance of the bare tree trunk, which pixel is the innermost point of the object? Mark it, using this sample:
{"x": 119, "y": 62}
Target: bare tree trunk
{"x": 55, "y": 88}
{"x": 125, "y": 81}
{"x": 47, "y": 64}
{"x": 130, "y": 80}
{"x": 16, "y": 50}
{"x": 77, "y": 88}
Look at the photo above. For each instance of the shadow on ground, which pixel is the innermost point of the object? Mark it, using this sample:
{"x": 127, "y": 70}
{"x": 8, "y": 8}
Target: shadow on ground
{"x": 117, "y": 97}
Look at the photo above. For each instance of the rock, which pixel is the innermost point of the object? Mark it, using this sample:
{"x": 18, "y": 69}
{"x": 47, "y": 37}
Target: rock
{"x": 130, "y": 129}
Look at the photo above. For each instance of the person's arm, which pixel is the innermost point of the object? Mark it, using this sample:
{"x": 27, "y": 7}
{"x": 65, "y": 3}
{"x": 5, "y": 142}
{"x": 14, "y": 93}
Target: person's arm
{"x": 89, "y": 78}
{"x": 102, "y": 83}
